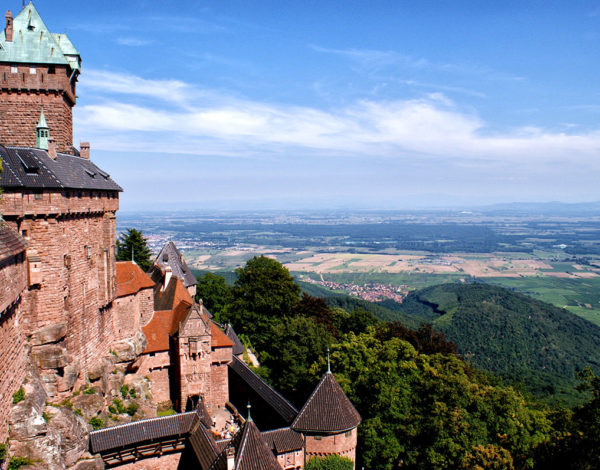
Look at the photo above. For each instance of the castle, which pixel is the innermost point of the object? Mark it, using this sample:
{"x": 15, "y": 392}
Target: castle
{"x": 73, "y": 314}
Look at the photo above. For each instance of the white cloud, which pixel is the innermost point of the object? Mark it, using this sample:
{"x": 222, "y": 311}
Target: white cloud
{"x": 177, "y": 117}
{"x": 134, "y": 42}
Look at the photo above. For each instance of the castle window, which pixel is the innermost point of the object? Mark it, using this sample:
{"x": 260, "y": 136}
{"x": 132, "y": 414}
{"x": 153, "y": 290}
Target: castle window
{"x": 37, "y": 195}
{"x": 348, "y": 433}
{"x": 67, "y": 261}
{"x": 318, "y": 438}
{"x": 14, "y": 69}
{"x": 24, "y": 233}
{"x": 52, "y": 69}
{"x": 32, "y": 70}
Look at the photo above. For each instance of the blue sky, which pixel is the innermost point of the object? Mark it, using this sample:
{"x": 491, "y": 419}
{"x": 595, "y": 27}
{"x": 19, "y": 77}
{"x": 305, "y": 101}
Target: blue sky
{"x": 338, "y": 104}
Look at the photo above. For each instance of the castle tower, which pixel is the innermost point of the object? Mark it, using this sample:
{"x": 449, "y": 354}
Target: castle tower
{"x": 41, "y": 133}
{"x": 328, "y": 421}
{"x": 36, "y": 66}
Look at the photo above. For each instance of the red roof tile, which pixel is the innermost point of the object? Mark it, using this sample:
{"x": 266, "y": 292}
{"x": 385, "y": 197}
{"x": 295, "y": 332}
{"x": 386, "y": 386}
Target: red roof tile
{"x": 131, "y": 279}
{"x": 218, "y": 338}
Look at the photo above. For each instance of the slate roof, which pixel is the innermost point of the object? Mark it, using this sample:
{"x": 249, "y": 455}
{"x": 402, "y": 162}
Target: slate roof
{"x": 124, "y": 435}
{"x": 252, "y": 452}
{"x": 131, "y": 279}
{"x": 11, "y": 244}
{"x": 327, "y": 410}
{"x": 35, "y": 169}
{"x": 170, "y": 256}
{"x": 33, "y": 43}
{"x": 283, "y": 440}
{"x": 204, "y": 446}
{"x": 238, "y": 347}
{"x": 274, "y": 399}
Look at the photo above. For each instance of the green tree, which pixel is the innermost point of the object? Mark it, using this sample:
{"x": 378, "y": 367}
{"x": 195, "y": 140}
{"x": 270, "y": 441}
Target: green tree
{"x": 133, "y": 242}
{"x": 214, "y": 292}
{"x": 264, "y": 292}
{"x": 295, "y": 344}
{"x": 331, "y": 462}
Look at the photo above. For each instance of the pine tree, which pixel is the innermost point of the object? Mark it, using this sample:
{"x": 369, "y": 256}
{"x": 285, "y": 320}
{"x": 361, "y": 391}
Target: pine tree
{"x": 133, "y": 244}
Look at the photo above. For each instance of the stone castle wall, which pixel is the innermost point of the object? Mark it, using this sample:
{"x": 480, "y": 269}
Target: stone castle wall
{"x": 156, "y": 366}
{"x": 343, "y": 444}
{"x": 13, "y": 350}
{"x": 13, "y": 356}
{"x": 131, "y": 312}
{"x": 23, "y": 91}
{"x": 219, "y": 378}
{"x": 68, "y": 307}
{"x": 291, "y": 460}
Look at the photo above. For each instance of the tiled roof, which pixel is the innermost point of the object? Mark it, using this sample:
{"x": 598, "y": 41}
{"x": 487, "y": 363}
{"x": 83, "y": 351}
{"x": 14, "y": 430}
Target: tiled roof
{"x": 157, "y": 331}
{"x": 218, "y": 338}
{"x": 203, "y": 445}
{"x": 328, "y": 409}
{"x": 252, "y": 452}
{"x": 124, "y": 435}
{"x": 174, "y": 294}
{"x": 131, "y": 279}
{"x": 283, "y": 440}
{"x": 274, "y": 399}
{"x": 34, "y": 44}
{"x": 11, "y": 244}
{"x": 170, "y": 256}
{"x": 35, "y": 169}
{"x": 238, "y": 347}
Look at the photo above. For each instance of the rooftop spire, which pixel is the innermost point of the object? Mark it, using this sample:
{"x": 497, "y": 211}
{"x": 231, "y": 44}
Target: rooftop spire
{"x": 328, "y": 362}
{"x": 249, "y": 418}
{"x": 42, "y": 132}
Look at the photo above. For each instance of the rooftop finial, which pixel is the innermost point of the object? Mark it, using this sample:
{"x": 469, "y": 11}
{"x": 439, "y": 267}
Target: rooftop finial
{"x": 328, "y": 362}
{"x": 249, "y": 418}
{"x": 132, "y": 258}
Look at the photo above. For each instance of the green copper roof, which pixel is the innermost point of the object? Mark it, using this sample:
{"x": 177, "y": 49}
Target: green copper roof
{"x": 33, "y": 43}
{"x": 42, "y": 122}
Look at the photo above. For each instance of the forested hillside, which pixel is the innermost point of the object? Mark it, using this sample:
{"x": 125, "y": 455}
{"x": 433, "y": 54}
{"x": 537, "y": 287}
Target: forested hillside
{"x": 510, "y": 334}
{"x": 422, "y": 405}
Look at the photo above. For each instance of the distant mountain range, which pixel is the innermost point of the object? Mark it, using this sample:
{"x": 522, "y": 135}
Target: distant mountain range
{"x": 542, "y": 208}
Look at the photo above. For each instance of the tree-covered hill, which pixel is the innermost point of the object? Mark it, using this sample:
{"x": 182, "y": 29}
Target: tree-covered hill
{"x": 509, "y": 333}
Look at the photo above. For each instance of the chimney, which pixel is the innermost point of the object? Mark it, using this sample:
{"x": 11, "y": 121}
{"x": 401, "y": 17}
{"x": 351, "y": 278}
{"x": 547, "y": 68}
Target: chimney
{"x": 168, "y": 276}
{"x": 230, "y": 453}
{"x": 8, "y": 30}
{"x": 51, "y": 148}
{"x": 84, "y": 150}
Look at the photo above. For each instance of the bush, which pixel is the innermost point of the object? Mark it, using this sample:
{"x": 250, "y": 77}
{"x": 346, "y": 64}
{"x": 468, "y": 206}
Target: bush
{"x": 96, "y": 422}
{"x": 119, "y": 406}
{"x": 3, "y": 451}
{"x": 17, "y": 462}
{"x": 132, "y": 408}
{"x": 331, "y": 462}
{"x": 124, "y": 391}
{"x": 19, "y": 396}
{"x": 89, "y": 391}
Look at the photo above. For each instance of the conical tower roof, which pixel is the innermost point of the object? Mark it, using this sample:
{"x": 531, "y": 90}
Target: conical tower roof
{"x": 42, "y": 122}
{"x": 252, "y": 452}
{"x": 328, "y": 409}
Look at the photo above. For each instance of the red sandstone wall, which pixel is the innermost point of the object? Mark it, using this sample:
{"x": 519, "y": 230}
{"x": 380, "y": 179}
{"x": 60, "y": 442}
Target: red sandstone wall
{"x": 157, "y": 369}
{"x": 13, "y": 281}
{"x": 75, "y": 242}
{"x": 166, "y": 462}
{"x": 332, "y": 444}
{"x": 131, "y": 312}
{"x": 291, "y": 460}
{"x": 219, "y": 379}
{"x": 22, "y": 95}
{"x": 13, "y": 355}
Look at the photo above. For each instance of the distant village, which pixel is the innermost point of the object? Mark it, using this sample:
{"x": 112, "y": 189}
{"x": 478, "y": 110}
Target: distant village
{"x": 373, "y": 292}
